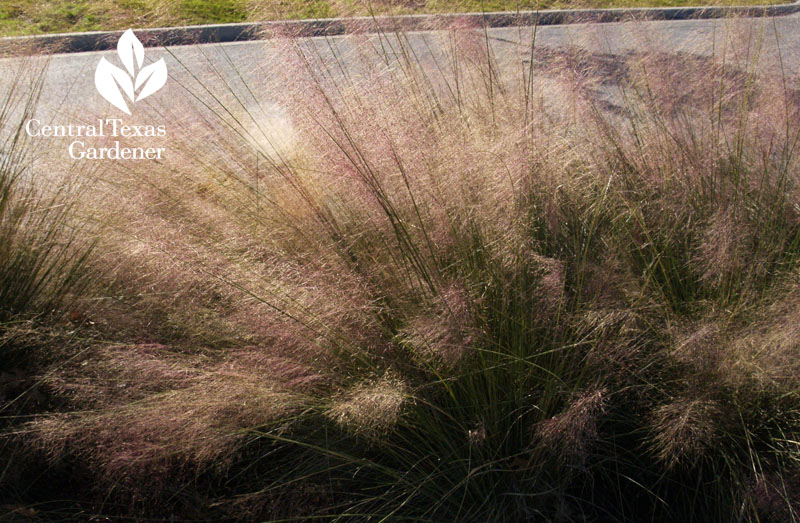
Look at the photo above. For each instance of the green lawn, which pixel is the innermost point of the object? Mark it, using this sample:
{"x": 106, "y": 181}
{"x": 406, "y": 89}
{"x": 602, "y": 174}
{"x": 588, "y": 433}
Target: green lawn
{"x": 19, "y": 17}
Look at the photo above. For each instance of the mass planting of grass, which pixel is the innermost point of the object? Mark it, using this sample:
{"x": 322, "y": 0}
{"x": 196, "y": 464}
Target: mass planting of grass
{"x": 20, "y": 17}
{"x": 440, "y": 288}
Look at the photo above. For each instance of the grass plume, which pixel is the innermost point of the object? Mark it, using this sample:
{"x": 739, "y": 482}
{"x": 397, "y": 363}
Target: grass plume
{"x": 462, "y": 291}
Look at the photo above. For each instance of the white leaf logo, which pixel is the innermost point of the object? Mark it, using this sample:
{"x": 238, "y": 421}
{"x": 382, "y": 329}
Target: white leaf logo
{"x": 153, "y": 77}
{"x": 129, "y": 47}
{"x": 112, "y": 81}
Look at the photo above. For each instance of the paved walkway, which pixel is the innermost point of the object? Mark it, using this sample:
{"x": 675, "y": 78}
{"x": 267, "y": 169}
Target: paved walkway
{"x": 238, "y": 69}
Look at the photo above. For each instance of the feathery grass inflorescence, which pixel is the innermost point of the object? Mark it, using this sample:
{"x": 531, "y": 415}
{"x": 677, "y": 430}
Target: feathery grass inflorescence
{"x": 450, "y": 289}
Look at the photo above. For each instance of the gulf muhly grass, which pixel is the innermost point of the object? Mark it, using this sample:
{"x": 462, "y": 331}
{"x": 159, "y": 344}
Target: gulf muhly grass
{"x": 43, "y": 251}
{"x": 450, "y": 288}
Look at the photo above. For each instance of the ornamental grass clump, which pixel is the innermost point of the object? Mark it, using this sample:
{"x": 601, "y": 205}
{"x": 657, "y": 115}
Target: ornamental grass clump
{"x": 465, "y": 290}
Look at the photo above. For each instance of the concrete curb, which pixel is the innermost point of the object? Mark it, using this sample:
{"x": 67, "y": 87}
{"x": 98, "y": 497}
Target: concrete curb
{"x": 217, "y": 33}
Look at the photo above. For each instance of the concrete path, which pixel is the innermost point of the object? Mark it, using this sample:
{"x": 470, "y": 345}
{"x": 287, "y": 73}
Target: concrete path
{"x": 226, "y": 80}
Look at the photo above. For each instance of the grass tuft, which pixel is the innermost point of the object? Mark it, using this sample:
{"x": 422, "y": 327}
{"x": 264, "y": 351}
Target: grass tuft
{"x": 463, "y": 290}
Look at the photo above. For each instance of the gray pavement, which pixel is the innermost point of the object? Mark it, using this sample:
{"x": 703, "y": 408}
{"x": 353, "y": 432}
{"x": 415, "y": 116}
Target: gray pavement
{"x": 71, "y": 76}
{"x": 213, "y": 80}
